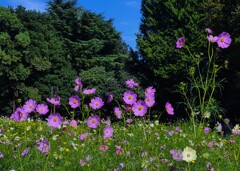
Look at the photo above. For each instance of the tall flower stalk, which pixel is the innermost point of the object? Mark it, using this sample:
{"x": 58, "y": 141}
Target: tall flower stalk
{"x": 198, "y": 94}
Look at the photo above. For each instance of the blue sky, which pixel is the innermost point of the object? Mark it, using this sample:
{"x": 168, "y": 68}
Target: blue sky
{"x": 126, "y": 13}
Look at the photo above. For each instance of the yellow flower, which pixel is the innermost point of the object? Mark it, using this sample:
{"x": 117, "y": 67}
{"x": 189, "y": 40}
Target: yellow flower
{"x": 189, "y": 154}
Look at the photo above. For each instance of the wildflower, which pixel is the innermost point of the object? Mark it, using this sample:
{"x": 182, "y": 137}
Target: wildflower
{"x": 29, "y": 106}
{"x": 83, "y": 136}
{"x": 55, "y": 120}
{"x": 108, "y": 131}
{"x": 93, "y": 121}
{"x": 73, "y": 123}
{"x": 150, "y": 91}
{"x": 208, "y": 30}
{"x": 164, "y": 160}
{"x": 189, "y": 154}
{"x": 212, "y": 39}
{"x": 169, "y": 108}
{"x": 117, "y": 112}
{"x": 1, "y": 155}
{"x": 206, "y": 114}
{"x": 89, "y": 91}
{"x": 224, "y": 40}
{"x": 129, "y": 121}
{"x": 74, "y": 101}
{"x": 211, "y": 144}
{"x": 144, "y": 154}
{"x": 110, "y": 98}
{"x": 96, "y": 103}
{"x": 130, "y": 83}
{"x": 42, "y": 109}
{"x": 23, "y": 115}
{"x": 25, "y": 152}
{"x": 129, "y": 97}
{"x": 176, "y": 155}
{"x": 150, "y": 101}
{"x": 128, "y": 108}
{"x": 180, "y": 42}
{"x": 118, "y": 150}
{"x": 236, "y": 130}
{"x": 103, "y": 148}
{"x": 209, "y": 167}
{"x": 139, "y": 108}
{"x": 206, "y": 130}
{"x": 171, "y": 132}
{"x": 78, "y": 81}
{"x": 44, "y": 146}
{"x": 55, "y": 101}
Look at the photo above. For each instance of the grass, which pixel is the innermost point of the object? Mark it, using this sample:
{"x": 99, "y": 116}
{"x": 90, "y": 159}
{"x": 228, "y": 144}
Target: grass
{"x": 143, "y": 147}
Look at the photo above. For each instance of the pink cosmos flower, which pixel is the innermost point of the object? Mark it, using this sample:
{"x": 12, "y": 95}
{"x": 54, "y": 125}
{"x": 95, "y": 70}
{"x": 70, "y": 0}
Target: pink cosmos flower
{"x": 208, "y": 30}
{"x": 150, "y": 91}
{"x": 73, "y": 123}
{"x": 212, "y": 39}
{"x": 139, "y": 108}
{"x": 74, "y": 101}
{"x": 110, "y": 98}
{"x": 42, "y": 109}
{"x": 206, "y": 130}
{"x": 103, "y": 148}
{"x": 169, "y": 108}
{"x": 129, "y": 97}
{"x": 19, "y": 115}
{"x": 224, "y": 40}
{"x": 1, "y": 155}
{"x": 96, "y": 103}
{"x": 55, "y": 120}
{"x": 117, "y": 112}
{"x": 55, "y": 101}
{"x": 176, "y": 155}
{"x": 89, "y": 91}
{"x": 118, "y": 150}
{"x": 78, "y": 81}
{"x": 108, "y": 131}
{"x": 150, "y": 101}
{"x": 44, "y": 146}
{"x": 29, "y": 106}
{"x": 180, "y": 42}
{"x": 25, "y": 152}
{"x": 130, "y": 83}
{"x": 93, "y": 121}
{"x": 83, "y": 136}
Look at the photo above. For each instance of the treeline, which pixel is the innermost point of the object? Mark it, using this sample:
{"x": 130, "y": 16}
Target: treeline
{"x": 42, "y": 53}
{"x": 45, "y": 51}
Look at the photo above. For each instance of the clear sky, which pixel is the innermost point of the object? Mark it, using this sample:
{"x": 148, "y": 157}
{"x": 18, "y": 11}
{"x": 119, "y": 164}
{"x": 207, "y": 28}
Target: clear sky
{"x": 126, "y": 13}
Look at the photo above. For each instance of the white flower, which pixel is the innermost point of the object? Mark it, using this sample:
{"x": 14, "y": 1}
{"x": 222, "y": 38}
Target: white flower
{"x": 206, "y": 114}
{"x": 189, "y": 154}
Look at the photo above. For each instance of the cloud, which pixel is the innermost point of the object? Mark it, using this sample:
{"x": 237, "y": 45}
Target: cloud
{"x": 133, "y": 3}
{"x": 38, "y": 5}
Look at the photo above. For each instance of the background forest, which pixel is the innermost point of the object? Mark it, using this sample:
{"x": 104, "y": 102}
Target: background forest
{"x": 41, "y": 53}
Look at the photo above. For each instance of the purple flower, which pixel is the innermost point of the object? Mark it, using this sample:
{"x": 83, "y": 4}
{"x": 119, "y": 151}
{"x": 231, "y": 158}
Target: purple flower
{"x": 108, "y": 131}
{"x": 150, "y": 101}
{"x": 103, "y": 148}
{"x": 180, "y": 42}
{"x": 117, "y": 112}
{"x": 1, "y": 155}
{"x": 206, "y": 130}
{"x": 169, "y": 108}
{"x": 110, "y": 98}
{"x": 78, "y": 81}
{"x": 208, "y": 30}
{"x": 73, "y": 123}
{"x": 211, "y": 144}
{"x": 89, "y": 91}
{"x": 129, "y": 121}
{"x": 129, "y": 97}
{"x": 42, "y": 109}
{"x": 212, "y": 39}
{"x": 19, "y": 115}
{"x": 55, "y": 101}
{"x": 139, "y": 108}
{"x": 74, "y": 101}
{"x": 224, "y": 40}
{"x": 83, "y": 136}
{"x": 96, "y": 103}
{"x": 25, "y": 152}
{"x": 44, "y": 146}
{"x": 118, "y": 150}
{"x": 150, "y": 91}
{"x": 29, "y": 106}
{"x": 93, "y": 121}
{"x": 130, "y": 83}
{"x": 171, "y": 132}
{"x": 55, "y": 120}
{"x": 209, "y": 167}
{"x": 176, "y": 155}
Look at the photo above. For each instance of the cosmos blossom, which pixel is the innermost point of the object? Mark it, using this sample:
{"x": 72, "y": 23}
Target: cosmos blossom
{"x": 29, "y": 106}
{"x": 108, "y": 131}
{"x": 224, "y": 40}
{"x": 55, "y": 120}
{"x": 74, "y": 101}
{"x": 169, "y": 108}
{"x": 93, "y": 121}
{"x": 180, "y": 42}
{"x": 44, "y": 146}
{"x": 78, "y": 81}
{"x": 96, "y": 103}
{"x": 150, "y": 101}
{"x": 55, "y": 101}
{"x": 117, "y": 112}
{"x": 139, "y": 108}
{"x": 150, "y": 91}
{"x": 129, "y": 97}
{"x": 189, "y": 154}
{"x": 212, "y": 39}
{"x": 130, "y": 83}
{"x": 42, "y": 109}
{"x": 209, "y": 31}
{"x": 89, "y": 91}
